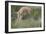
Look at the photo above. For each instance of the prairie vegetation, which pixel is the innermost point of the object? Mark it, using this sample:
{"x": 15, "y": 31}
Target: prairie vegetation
{"x": 29, "y": 21}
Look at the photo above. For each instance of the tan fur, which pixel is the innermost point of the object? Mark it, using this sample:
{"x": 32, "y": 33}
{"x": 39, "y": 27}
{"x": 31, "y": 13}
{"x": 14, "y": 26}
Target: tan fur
{"x": 23, "y": 11}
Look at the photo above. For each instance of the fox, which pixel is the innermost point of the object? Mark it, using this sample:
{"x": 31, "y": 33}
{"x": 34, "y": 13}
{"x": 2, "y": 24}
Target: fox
{"x": 23, "y": 11}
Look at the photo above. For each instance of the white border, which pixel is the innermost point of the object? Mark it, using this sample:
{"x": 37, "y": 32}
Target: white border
{"x": 24, "y": 29}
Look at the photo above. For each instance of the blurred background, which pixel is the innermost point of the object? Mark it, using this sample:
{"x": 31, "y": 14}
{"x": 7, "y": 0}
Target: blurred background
{"x": 30, "y": 21}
